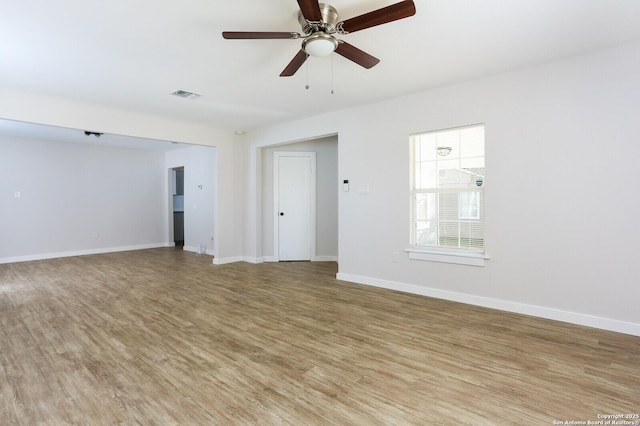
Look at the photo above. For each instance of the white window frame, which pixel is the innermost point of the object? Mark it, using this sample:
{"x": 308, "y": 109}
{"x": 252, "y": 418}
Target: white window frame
{"x": 435, "y": 253}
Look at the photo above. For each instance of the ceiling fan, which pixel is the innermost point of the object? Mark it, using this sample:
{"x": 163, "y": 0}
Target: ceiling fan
{"x": 319, "y": 23}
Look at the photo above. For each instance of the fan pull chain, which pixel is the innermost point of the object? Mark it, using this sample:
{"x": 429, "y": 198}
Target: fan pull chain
{"x": 332, "y": 74}
{"x": 306, "y": 68}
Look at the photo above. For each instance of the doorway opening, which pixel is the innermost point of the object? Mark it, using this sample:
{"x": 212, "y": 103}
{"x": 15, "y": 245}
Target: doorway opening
{"x": 178, "y": 206}
{"x": 325, "y": 212}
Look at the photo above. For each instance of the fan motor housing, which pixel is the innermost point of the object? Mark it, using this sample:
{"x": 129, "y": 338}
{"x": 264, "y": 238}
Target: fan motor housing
{"x": 327, "y": 25}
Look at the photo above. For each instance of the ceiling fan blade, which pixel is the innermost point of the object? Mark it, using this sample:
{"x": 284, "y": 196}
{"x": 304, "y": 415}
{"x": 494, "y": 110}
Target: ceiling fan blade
{"x": 295, "y": 64}
{"x": 244, "y": 35}
{"x": 356, "y": 55}
{"x": 401, "y": 10}
{"x": 310, "y": 10}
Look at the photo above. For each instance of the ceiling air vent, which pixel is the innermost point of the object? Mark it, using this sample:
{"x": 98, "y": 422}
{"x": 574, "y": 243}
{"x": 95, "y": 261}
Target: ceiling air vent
{"x": 185, "y": 94}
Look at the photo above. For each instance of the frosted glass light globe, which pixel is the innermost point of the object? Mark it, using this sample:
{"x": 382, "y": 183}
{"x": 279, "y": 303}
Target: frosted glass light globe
{"x": 319, "y": 44}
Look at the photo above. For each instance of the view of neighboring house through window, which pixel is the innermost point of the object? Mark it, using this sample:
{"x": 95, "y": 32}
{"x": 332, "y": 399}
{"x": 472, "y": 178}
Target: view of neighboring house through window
{"x": 448, "y": 189}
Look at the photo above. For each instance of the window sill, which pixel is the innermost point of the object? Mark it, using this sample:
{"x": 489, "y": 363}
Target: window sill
{"x": 459, "y": 258}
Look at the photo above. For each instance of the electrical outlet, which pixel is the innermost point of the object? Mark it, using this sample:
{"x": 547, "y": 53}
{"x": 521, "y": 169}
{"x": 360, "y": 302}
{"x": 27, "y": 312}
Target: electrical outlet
{"x": 17, "y": 194}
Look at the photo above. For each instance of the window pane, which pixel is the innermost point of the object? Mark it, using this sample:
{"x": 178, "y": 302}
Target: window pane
{"x": 451, "y": 139}
{"x": 449, "y": 234}
{"x": 469, "y": 205}
{"x": 426, "y": 219}
{"x": 427, "y": 146}
{"x": 426, "y": 175}
{"x": 447, "y": 164}
{"x": 454, "y": 178}
{"x": 448, "y": 207}
{"x": 472, "y": 163}
{"x": 471, "y": 235}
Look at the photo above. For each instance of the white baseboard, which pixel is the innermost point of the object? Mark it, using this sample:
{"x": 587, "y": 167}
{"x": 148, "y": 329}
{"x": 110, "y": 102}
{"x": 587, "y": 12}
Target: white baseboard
{"x": 44, "y": 256}
{"x": 325, "y": 259}
{"x": 197, "y": 250}
{"x": 271, "y": 259}
{"x": 503, "y": 305}
{"x": 225, "y": 260}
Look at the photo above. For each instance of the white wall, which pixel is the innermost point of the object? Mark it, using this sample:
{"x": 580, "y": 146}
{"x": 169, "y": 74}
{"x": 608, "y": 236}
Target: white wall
{"x": 326, "y": 150}
{"x": 562, "y": 146}
{"x": 77, "y": 199}
{"x": 229, "y": 210}
{"x": 200, "y": 189}
{"x": 562, "y": 150}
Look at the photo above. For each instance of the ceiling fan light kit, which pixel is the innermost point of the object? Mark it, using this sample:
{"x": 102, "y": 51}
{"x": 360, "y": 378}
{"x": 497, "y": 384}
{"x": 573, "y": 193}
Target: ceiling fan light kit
{"x": 319, "y": 44}
{"x": 319, "y": 23}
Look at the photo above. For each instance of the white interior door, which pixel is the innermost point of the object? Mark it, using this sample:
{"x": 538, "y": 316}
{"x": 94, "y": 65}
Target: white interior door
{"x": 294, "y": 186}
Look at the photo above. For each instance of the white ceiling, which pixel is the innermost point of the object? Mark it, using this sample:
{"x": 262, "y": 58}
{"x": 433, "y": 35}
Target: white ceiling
{"x": 132, "y": 54}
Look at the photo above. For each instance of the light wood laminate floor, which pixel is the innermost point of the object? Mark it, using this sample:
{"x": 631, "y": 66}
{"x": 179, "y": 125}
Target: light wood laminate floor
{"x": 164, "y": 337}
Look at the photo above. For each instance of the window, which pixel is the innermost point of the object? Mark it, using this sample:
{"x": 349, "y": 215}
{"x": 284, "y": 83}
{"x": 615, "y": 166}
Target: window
{"x": 448, "y": 191}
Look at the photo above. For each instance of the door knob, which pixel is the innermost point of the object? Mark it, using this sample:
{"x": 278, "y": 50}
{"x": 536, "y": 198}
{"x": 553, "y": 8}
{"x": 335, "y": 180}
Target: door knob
{"x": 281, "y": 213}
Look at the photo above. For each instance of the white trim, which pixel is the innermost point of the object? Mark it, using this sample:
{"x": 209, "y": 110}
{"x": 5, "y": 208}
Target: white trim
{"x": 45, "y": 256}
{"x": 324, "y": 259}
{"x": 503, "y": 305}
{"x": 460, "y": 258}
{"x": 224, "y": 261}
{"x": 254, "y": 260}
{"x": 208, "y": 252}
{"x": 272, "y": 259}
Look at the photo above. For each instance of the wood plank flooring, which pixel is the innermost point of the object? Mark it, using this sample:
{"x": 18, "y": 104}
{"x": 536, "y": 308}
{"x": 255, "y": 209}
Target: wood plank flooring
{"x": 163, "y": 337}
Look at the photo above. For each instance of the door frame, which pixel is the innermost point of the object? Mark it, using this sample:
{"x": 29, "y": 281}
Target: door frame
{"x": 276, "y": 192}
